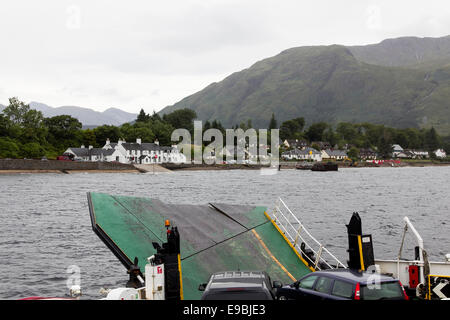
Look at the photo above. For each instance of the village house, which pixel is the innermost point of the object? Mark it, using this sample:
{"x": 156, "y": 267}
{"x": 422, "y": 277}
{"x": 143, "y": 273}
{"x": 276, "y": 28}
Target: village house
{"x": 95, "y": 154}
{"x": 295, "y": 143}
{"x": 233, "y": 151}
{"x": 403, "y": 155}
{"x": 421, "y": 154}
{"x": 305, "y": 154}
{"x": 440, "y": 153}
{"x": 290, "y": 155}
{"x": 322, "y": 144}
{"x": 407, "y": 154}
{"x": 138, "y": 152}
{"x": 367, "y": 154}
{"x": 334, "y": 154}
{"x": 397, "y": 151}
{"x": 79, "y": 154}
{"x": 149, "y": 153}
{"x": 413, "y": 154}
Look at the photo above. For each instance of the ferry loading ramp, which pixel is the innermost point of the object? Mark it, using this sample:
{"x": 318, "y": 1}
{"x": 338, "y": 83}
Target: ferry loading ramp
{"x": 214, "y": 237}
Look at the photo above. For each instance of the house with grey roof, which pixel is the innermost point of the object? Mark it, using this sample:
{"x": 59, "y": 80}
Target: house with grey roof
{"x": 295, "y": 143}
{"x": 334, "y": 154}
{"x": 124, "y": 152}
{"x": 146, "y": 153}
{"x": 367, "y": 154}
{"x": 397, "y": 150}
{"x": 305, "y": 154}
{"x": 96, "y": 154}
{"x": 419, "y": 154}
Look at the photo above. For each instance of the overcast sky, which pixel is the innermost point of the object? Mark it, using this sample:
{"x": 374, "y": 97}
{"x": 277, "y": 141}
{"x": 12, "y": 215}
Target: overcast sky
{"x": 150, "y": 54}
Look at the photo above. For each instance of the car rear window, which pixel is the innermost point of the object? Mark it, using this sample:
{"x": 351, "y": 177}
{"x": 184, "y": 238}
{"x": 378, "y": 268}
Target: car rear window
{"x": 385, "y": 290}
{"x": 323, "y": 285}
{"x": 342, "y": 289}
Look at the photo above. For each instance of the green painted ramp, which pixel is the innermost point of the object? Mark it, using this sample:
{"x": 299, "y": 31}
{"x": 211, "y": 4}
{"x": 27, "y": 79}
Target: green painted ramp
{"x": 213, "y": 237}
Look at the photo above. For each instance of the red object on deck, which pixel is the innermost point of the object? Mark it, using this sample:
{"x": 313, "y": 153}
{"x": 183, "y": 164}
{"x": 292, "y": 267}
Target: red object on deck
{"x": 413, "y": 276}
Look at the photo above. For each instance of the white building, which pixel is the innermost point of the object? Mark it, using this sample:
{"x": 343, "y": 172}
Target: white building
{"x": 96, "y": 154}
{"x": 147, "y": 153}
{"x": 138, "y": 152}
{"x": 334, "y": 154}
{"x": 397, "y": 150}
{"x": 440, "y": 153}
{"x": 295, "y": 143}
{"x": 305, "y": 154}
{"x": 419, "y": 154}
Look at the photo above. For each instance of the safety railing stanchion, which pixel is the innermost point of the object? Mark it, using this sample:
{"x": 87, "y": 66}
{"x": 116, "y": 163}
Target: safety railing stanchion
{"x": 319, "y": 254}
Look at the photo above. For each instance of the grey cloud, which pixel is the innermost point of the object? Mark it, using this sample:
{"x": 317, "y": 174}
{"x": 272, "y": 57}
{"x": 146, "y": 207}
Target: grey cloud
{"x": 156, "y": 52}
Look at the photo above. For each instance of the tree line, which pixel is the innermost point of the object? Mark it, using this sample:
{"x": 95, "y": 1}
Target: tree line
{"x": 365, "y": 135}
{"x": 355, "y": 136}
{"x": 26, "y": 133}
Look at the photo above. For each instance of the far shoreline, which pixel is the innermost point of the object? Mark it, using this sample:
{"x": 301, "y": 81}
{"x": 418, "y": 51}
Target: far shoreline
{"x": 21, "y": 166}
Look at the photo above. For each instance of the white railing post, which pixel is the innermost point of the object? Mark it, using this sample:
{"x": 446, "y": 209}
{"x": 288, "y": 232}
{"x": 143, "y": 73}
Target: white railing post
{"x": 319, "y": 254}
{"x": 298, "y": 234}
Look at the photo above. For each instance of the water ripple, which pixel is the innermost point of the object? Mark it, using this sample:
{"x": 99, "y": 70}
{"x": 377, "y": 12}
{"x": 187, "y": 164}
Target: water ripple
{"x": 45, "y": 225}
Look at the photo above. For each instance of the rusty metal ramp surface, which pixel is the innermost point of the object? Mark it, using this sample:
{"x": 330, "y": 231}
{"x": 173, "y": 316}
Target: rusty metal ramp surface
{"x": 214, "y": 237}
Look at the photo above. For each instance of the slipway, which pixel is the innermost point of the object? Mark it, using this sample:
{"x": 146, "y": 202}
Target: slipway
{"x": 214, "y": 237}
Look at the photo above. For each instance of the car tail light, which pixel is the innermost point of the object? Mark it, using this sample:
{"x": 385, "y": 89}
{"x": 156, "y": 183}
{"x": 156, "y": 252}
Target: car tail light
{"x": 403, "y": 290}
{"x": 357, "y": 292}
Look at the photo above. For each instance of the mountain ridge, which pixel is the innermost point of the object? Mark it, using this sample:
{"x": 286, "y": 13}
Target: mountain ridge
{"x": 404, "y": 51}
{"x": 87, "y": 116}
{"x": 385, "y": 84}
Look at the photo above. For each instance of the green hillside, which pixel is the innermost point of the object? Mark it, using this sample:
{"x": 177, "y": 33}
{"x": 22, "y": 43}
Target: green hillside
{"x": 406, "y": 51}
{"x": 327, "y": 83}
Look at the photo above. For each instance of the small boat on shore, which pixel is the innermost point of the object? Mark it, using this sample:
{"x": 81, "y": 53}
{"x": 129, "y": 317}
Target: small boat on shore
{"x": 318, "y": 166}
{"x": 325, "y": 166}
{"x": 304, "y": 166}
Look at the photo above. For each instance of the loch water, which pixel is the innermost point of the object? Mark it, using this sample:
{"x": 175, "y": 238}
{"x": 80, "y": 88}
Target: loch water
{"x": 45, "y": 228}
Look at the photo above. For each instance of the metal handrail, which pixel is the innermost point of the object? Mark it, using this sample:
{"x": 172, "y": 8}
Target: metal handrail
{"x": 307, "y": 245}
{"x": 410, "y": 226}
{"x": 293, "y": 233}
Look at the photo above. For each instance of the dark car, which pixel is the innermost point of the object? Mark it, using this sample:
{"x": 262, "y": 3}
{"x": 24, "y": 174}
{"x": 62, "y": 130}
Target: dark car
{"x": 239, "y": 285}
{"x": 343, "y": 284}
